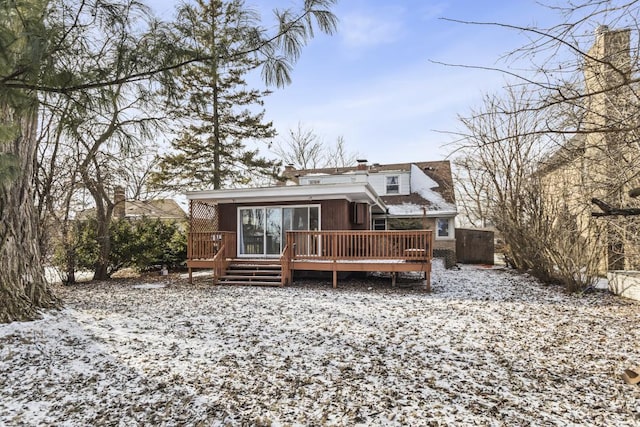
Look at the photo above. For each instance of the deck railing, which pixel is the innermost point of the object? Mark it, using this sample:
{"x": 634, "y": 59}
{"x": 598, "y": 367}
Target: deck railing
{"x": 408, "y": 245}
{"x": 207, "y": 245}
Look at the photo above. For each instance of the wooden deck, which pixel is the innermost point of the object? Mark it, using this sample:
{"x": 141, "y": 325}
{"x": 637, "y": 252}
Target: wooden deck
{"x": 334, "y": 251}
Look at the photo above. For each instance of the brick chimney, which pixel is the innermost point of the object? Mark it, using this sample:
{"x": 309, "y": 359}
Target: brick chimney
{"x": 119, "y": 199}
{"x": 362, "y": 164}
{"x": 606, "y": 70}
{"x": 289, "y": 173}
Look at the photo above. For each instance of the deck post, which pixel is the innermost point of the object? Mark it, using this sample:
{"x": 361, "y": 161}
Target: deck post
{"x": 190, "y": 277}
{"x": 355, "y": 250}
{"x": 335, "y": 277}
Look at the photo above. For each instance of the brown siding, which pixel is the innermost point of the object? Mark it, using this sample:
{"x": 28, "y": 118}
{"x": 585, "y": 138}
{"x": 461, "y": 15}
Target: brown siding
{"x": 335, "y": 214}
{"x": 228, "y": 217}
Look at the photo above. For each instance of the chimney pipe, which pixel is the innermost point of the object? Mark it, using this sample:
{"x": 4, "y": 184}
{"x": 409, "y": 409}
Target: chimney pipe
{"x": 119, "y": 200}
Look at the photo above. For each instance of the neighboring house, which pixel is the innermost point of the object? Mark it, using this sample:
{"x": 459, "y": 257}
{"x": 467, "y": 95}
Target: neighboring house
{"x": 601, "y": 162}
{"x": 163, "y": 209}
{"x": 345, "y": 215}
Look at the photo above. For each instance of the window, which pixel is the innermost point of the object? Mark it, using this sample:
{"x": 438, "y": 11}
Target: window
{"x": 444, "y": 228}
{"x": 314, "y": 181}
{"x": 393, "y": 184}
{"x": 379, "y": 224}
{"x": 262, "y": 230}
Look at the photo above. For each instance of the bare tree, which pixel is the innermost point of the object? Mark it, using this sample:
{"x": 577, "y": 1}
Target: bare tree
{"x": 473, "y": 192}
{"x": 586, "y": 69}
{"x": 304, "y": 149}
{"x": 498, "y": 157}
{"x": 136, "y": 174}
{"x": 339, "y": 157}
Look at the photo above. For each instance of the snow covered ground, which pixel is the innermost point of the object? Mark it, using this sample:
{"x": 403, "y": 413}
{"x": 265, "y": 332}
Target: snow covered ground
{"x": 486, "y": 347}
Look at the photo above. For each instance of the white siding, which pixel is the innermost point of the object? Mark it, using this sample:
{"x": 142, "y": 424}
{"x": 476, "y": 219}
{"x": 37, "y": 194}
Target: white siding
{"x": 333, "y": 179}
{"x": 379, "y": 182}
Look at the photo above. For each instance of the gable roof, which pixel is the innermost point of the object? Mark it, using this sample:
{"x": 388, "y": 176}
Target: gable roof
{"x": 573, "y": 149}
{"x": 158, "y": 208}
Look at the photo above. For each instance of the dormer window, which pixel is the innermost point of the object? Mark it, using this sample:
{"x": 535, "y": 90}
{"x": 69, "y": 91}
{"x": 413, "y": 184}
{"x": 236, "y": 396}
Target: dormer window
{"x": 393, "y": 184}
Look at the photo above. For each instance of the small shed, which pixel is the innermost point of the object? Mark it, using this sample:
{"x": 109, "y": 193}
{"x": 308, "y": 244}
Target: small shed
{"x": 474, "y": 246}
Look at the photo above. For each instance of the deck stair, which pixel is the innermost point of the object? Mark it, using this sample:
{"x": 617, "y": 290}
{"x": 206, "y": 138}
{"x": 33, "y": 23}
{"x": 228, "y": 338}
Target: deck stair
{"x": 252, "y": 273}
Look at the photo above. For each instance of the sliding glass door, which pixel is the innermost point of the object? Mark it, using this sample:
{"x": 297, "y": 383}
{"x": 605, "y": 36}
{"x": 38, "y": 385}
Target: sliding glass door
{"x": 273, "y": 231}
{"x": 252, "y": 232}
{"x": 262, "y": 230}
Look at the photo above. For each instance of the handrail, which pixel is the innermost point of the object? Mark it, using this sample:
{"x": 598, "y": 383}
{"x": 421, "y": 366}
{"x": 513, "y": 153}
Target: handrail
{"x": 407, "y": 245}
{"x": 220, "y": 264}
{"x": 207, "y": 245}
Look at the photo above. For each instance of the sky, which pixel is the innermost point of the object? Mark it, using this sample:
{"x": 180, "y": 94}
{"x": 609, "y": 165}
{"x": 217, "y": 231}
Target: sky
{"x": 377, "y": 83}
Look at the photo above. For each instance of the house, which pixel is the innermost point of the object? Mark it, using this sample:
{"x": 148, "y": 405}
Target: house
{"x": 601, "y": 160}
{"x": 362, "y": 218}
{"x": 416, "y": 195}
{"x": 163, "y": 209}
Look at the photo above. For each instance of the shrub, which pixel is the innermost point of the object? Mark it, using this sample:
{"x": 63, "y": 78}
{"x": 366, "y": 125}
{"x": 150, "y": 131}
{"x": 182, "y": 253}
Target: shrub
{"x": 147, "y": 242}
{"x": 141, "y": 244}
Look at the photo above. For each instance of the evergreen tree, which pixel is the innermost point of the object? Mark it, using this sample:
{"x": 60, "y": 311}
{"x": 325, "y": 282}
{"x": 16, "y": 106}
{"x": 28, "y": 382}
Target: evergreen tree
{"x": 22, "y": 54}
{"x": 38, "y": 54}
{"x": 218, "y": 109}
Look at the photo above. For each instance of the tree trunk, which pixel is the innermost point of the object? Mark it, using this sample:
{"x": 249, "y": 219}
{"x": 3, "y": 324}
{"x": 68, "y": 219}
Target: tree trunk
{"x": 71, "y": 267}
{"x": 104, "y": 215}
{"x": 215, "y": 105}
{"x": 101, "y": 271}
{"x": 23, "y": 288}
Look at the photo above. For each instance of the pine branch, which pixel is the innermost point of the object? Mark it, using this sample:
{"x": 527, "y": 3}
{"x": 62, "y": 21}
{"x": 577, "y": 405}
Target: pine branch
{"x": 265, "y": 46}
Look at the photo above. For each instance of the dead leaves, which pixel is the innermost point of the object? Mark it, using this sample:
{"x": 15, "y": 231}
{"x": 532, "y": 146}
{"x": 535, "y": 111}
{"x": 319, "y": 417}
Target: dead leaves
{"x": 485, "y": 347}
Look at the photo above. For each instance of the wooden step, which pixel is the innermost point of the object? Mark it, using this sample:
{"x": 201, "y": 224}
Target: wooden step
{"x": 240, "y": 261}
{"x": 234, "y": 276}
{"x": 245, "y": 283}
{"x": 252, "y": 272}
{"x": 255, "y": 268}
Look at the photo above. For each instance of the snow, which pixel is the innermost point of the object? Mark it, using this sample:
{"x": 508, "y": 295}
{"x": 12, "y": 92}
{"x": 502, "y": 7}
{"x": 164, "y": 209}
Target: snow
{"x": 486, "y": 347}
{"x": 405, "y": 209}
{"x": 149, "y": 286}
{"x": 424, "y": 185}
